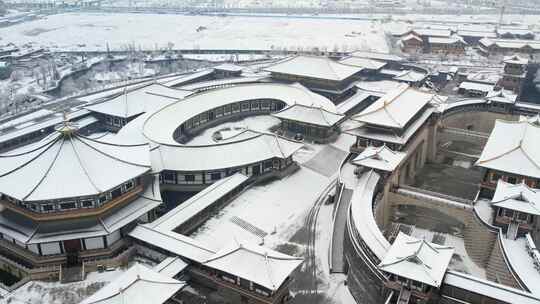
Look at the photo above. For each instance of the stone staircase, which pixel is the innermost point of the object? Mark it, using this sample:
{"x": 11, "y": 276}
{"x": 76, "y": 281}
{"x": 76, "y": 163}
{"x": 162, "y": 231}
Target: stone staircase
{"x": 249, "y": 227}
{"x": 479, "y": 240}
{"x": 497, "y": 270}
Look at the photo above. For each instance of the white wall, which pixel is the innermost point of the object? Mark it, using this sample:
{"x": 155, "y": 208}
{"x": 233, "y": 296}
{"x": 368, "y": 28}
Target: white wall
{"x": 50, "y": 248}
{"x": 113, "y": 237}
{"x": 94, "y": 243}
{"x": 33, "y": 248}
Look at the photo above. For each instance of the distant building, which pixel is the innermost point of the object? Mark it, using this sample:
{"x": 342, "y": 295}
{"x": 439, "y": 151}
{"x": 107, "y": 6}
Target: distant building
{"x": 454, "y": 45}
{"x": 508, "y": 46}
{"x": 515, "y": 71}
{"x": 320, "y": 74}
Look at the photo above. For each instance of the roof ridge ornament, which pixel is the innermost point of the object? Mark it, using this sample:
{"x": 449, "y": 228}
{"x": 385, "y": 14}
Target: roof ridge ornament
{"x": 67, "y": 128}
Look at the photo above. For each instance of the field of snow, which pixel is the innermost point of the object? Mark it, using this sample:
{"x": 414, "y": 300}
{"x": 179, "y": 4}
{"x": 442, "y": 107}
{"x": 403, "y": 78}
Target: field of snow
{"x": 93, "y": 31}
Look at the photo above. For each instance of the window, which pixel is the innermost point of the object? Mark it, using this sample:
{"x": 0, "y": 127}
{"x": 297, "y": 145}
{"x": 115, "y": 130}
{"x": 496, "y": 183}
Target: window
{"x": 512, "y": 180}
{"x": 523, "y": 216}
{"x": 116, "y": 192}
{"x": 235, "y": 108}
{"x": 47, "y": 208}
{"x": 508, "y": 213}
{"x": 87, "y": 204}
{"x": 215, "y": 176}
{"x": 32, "y": 207}
{"x": 128, "y": 185}
{"x": 116, "y": 122}
{"x": 68, "y": 206}
{"x": 189, "y": 178}
{"x": 102, "y": 199}
{"x": 255, "y": 105}
{"x": 495, "y": 177}
{"x": 245, "y": 107}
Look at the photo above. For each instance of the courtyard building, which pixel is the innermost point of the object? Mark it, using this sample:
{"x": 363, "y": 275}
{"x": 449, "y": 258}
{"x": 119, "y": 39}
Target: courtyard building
{"x": 511, "y": 154}
{"x": 320, "y": 74}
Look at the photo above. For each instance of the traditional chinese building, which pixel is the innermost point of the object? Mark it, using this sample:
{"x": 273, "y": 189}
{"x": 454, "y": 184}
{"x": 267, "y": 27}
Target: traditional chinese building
{"x": 312, "y": 122}
{"x": 454, "y": 45}
{"x": 415, "y": 268}
{"x": 320, "y": 74}
{"x": 69, "y": 198}
{"x": 515, "y": 71}
{"x": 517, "y": 208}
{"x": 138, "y": 285}
{"x": 512, "y": 153}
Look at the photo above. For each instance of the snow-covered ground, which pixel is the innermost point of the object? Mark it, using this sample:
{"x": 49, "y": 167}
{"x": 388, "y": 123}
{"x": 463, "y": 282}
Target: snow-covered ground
{"x": 278, "y": 208}
{"x": 261, "y": 123}
{"x": 93, "y": 31}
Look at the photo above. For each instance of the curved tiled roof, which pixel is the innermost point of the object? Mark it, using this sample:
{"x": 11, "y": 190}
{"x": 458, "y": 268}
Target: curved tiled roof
{"x": 160, "y": 126}
{"x": 66, "y": 164}
{"x": 314, "y": 67}
{"x": 513, "y": 147}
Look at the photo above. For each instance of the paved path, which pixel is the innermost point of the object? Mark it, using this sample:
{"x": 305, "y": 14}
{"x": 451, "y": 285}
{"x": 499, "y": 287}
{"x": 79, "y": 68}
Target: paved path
{"x": 339, "y": 231}
{"x": 327, "y": 161}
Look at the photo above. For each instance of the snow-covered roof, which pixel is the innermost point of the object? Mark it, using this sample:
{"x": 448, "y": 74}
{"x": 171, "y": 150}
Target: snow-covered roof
{"x": 171, "y": 266}
{"x": 260, "y": 265}
{"x": 250, "y": 149}
{"x": 447, "y": 40}
{"x": 513, "y": 147}
{"x": 201, "y": 86}
{"x": 28, "y": 231}
{"x": 177, "y": 80}
{"x": 519, "y": 197}
{"x": 410, "y": 76}
{"x": 140, "y": 100}
{"x": 357, "y": 128}
{"x": 314, "y": 67}
{"x": 432, "y": 32}
{"x": 477, "y": 34}
{"x": 475, "y": 86}
{"x": 173, "y": 242}
{"x": 516, "y": 59}
{"x": 310, "y": 115}
{"x": 510, "y": 43}
{"x": 489, "y": 289}
{"x": 161, "y": 125}
{"x": 514, "y": 31}
{"x": 229, "y": 67}
{"x": 377, "y": 56}
{"x": 381, "y": 158}
{"x": 198, "y": 203}
{"x": 66, "y": 164}
{"x": 138, "y": 285}
{"x": 39, "y": 123}
{"x": 417, "y": 260}
{"x": 396, "y": 108}
{"x": 364, "y": 63}
{"x": 362, "y": 214}
{"x": 411, "y": 36}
